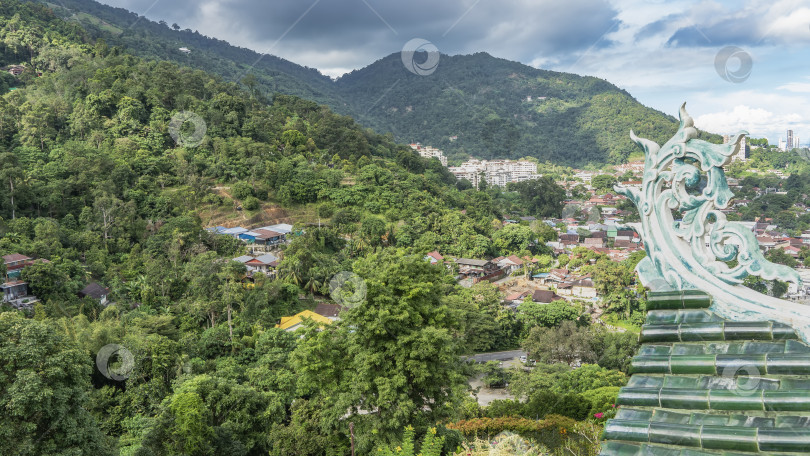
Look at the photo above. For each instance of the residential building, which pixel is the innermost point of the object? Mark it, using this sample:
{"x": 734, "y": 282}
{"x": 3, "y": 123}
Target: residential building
{"x": 557, "y": 275}
{"x": 283, "y": 228}
{"x": 96, "y": 292}
{"x": 510, "y": 264}
{"x": 296, "y": 321}
{"x": 623, "y": 243}
{"x": 568, "y": 239}
{"x": 429, "y": 152}
{"x": 15, "y": 263}
{"x": 545, "y": 296}
{"x": 265, "y": 264}
{"x": 15, "y": 293}
{"x": 495, "y": 172}
{"x": 634, "y": 167}
{"x": 268, "y": 237}
{"x": 330, "y": 311}
{"x": 434, "y": 257}
{"x": 235, "y": 231}
{"x": 475, "y": 268}
{"x": 514, "y": 299}
{"x": 13, "y": 290}
{"x": 594, "y": 242}
{"x": 583, "y": 288}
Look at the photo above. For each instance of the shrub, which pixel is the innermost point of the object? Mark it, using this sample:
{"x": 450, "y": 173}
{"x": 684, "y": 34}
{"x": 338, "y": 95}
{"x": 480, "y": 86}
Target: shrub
{"x": 251, "y": 203}
{"x": 544, "y": 403}
{"x": 552, "y": 431}
{"x": 431, "y": 445}
{"x": 241, "y": 190}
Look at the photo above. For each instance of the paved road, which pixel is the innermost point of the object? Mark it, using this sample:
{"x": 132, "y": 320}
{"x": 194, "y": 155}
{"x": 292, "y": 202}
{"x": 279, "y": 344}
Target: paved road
{"x": 497, "y": 356}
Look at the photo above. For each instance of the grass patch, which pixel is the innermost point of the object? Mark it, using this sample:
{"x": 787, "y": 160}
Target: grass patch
{"x": 614, "y": 320}
{"x": 107, "y": 27}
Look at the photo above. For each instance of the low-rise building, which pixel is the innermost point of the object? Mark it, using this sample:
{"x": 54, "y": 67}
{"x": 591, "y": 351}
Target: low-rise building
{"x": 330, "y": 311}
{"x": 14, "y": 290}
{"x": 510, "y": 264}
{"x": 434, "y": 257}
{"x": 15, "y": 263}
{"x": 15, "y": 293}
{"x": 96, "y": 292}
{"x": 545, "y": 296}
{"x": 468, "y": 267}
{"x": 265, "y": 264}
{"x": 296, "y": 321}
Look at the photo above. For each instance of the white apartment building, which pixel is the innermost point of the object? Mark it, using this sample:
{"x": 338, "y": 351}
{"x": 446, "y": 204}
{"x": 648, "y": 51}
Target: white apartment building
{"x": 495, "y": 172}
{"x": 635, "y": 167}
{"x": 585, "y": 176}
{"x": 429, "y": 152}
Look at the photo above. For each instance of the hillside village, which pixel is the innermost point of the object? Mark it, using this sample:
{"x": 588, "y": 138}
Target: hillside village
{"x": 593, "y": 227}
{"x": 299, "y": 280}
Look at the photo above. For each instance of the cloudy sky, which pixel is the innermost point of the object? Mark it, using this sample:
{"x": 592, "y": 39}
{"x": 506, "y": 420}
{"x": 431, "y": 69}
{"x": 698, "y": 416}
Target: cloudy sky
{"x": 739, "y": 64}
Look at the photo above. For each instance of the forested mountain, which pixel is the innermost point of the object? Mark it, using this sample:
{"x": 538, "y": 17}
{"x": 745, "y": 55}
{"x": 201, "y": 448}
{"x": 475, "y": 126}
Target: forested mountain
{"x": 99, "y": 184}
{"x": 481, "y": 99}
{"x": 499, "y": 108}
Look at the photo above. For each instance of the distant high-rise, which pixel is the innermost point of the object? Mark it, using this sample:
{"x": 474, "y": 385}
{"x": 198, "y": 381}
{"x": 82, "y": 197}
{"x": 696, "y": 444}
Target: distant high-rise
{"x": 742, "y": 154}
{"x": 789, "y": 141}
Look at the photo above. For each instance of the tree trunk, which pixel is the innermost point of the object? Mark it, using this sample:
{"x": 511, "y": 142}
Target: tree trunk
{"x": 11, "y": 184}
{"x": 230, "y": 323}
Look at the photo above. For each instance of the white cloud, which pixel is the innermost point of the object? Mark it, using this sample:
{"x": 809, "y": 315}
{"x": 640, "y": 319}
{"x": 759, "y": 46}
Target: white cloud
{"x": 797, "y": 87}
{"x": 341, "y": 35}
{"x": 757, "y": 121}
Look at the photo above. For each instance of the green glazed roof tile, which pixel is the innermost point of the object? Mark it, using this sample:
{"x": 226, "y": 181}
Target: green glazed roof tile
{"x": 652, "y": 349}
{"x": 724, "y": 365}
{"x": 705, "y": 386}
{"x": 634, "y": 414}
{"x": 793, "y": 422}
{"x": 668, "y": 416}
{"x": 646, "y": 381}
{"x": 651, "y": 449}
{"x": 795, "y": 346}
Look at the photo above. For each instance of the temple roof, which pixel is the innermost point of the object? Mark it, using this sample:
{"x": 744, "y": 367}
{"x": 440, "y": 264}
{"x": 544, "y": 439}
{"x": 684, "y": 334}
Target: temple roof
{"x": 703, "y": 385}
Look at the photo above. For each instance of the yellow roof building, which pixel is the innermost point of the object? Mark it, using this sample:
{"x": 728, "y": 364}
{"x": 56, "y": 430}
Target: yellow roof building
{"x": 294, "y": 322}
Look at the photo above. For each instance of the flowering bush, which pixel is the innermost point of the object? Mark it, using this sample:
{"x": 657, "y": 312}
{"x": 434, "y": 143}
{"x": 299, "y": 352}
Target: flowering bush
{"x": 606, "y": 415}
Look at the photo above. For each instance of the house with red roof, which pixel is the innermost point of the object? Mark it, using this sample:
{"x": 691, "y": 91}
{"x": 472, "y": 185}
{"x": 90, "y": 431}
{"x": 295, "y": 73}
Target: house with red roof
{"x": 434, "y": 257}
{"x": 15, "y": 263}
{"x": 509, "y": 264}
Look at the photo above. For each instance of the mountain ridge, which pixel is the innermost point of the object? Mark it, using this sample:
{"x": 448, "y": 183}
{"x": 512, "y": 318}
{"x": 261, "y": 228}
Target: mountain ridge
{"x": 481, "y": 99}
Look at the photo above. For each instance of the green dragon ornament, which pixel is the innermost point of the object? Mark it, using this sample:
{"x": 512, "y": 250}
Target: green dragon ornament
{"x": 702, "y": 249}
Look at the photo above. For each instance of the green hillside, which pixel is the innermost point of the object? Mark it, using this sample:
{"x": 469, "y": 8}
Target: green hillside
{"x": 479, "y": 98}
{"x": 484, "y": 101}
{"x": 134, "y": 331}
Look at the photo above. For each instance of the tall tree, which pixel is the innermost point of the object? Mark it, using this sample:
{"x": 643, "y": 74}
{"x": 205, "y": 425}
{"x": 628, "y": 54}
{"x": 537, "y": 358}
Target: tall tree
{"x": 393, "y": 359}
{"x": 10, "y": 176}
{"x": 44, "y": 382}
